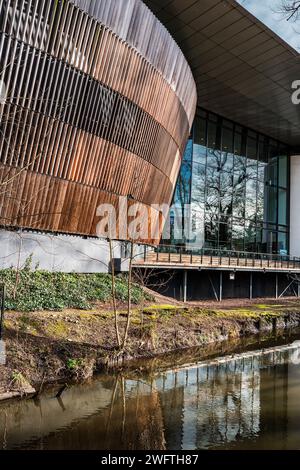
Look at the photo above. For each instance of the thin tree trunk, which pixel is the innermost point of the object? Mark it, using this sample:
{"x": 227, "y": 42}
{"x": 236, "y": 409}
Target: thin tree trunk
{"x": 17, "y": 277}
{"x": 111, "y": 408}
{"x": 129, "y": 297}
{"x": 113, "y": 292}
{"x": 124, "y": 407}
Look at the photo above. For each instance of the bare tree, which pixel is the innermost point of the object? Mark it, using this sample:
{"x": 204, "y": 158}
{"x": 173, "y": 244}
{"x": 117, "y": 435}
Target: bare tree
{"x": 290, "y": 9}
{"x": 129, "y": 295}
{"x": 229, "y": 193}
{"x": 113, "y": 290}
{"x": 147, "y": 278}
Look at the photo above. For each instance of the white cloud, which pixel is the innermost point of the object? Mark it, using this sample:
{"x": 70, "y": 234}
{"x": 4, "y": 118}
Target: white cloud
{"x": 268, "y": 12}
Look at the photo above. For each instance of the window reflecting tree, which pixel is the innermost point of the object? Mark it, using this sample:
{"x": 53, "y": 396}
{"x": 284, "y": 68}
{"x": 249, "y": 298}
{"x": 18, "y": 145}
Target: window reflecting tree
{"x": 236, "y": 182}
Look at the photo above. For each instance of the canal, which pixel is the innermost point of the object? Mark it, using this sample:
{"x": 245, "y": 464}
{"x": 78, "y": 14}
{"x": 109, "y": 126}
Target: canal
{"x": 245, "y": 400}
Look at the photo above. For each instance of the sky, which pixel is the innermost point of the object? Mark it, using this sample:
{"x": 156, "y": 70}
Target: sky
{"x": 267, "y": 12}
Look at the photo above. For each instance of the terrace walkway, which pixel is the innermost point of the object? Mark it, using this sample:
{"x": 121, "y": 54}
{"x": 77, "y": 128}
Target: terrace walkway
{"x": 168, "y": 256}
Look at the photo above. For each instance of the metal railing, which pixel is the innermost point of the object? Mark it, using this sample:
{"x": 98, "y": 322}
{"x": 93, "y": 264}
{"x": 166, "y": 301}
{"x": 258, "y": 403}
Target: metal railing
{"x": 219, "y": 257}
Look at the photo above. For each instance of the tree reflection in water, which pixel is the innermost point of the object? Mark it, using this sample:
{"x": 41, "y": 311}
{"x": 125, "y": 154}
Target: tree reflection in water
{"x": 247, "y": 402}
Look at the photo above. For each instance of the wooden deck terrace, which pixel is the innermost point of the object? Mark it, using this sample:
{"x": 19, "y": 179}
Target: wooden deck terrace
{"x": 169, "y": 258}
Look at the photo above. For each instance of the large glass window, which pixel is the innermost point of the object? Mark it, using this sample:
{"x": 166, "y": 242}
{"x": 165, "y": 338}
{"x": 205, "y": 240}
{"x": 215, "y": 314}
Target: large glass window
{"x": 237, "y": 183}
{"x": 283, "y": 243}
{"x": 283, "y": 167}
{"x": 183, "y": 187}
{"x": 282, "y": 206}
{"x": 200, "y": 149}
{"x": 272, "y": 195}
{"x": 227, "y": 157}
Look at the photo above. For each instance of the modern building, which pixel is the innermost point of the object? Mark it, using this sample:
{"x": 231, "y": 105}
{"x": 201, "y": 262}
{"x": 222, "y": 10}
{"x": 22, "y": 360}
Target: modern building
{"x": 236, "y": 182}
{"x": 236, "y": 171}
{"x": 100, "y": 103}
{"x": 241, "y": 166}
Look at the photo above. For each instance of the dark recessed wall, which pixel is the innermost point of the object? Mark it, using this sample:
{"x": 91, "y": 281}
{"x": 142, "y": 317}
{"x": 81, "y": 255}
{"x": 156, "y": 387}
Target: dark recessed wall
{"x": 202, "y": 285}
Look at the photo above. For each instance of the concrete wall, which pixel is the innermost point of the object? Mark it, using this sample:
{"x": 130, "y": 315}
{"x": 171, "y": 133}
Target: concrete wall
{"x": 63, "y": 253}
{"x": 295, "y": 206}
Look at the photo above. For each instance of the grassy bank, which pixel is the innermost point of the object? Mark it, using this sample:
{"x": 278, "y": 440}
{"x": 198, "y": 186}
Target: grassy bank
{"x": 73, "y": 345}
{"x": 29, "y": 290}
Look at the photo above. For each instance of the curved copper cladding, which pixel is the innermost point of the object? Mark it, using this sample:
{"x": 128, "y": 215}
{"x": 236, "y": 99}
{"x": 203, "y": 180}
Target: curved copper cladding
{"x": 100, "y": 102}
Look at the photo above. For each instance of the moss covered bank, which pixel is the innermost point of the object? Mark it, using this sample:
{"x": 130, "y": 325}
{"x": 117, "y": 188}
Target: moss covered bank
{"x": 50, "y": 346}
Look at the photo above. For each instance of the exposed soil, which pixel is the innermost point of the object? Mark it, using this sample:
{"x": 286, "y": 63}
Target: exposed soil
{"x": 44, "y": 347}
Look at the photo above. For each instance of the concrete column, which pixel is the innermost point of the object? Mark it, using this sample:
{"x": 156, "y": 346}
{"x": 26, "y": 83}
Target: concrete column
{"x": 295, "y": 206}
{"x": 251, "y": 287}
{"x": 221, "y": 287}
{"x": 184, "y": 285}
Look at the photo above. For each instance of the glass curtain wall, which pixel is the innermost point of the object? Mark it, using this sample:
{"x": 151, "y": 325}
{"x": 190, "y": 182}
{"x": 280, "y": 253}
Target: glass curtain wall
{"x": 235, "y": 182}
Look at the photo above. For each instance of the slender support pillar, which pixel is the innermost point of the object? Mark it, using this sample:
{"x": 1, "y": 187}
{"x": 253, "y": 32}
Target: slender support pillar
{"x": 184, "y": 285}
{"x": 251, "y": 287}
{"x": 276, "y": 286}
{"x": 298, "y": 290}
{"x": 221, "y": 286}
{"x": 295, "y": 206}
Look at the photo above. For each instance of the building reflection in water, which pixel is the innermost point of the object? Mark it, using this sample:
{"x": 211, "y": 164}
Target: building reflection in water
{"x": 249, "y": 402}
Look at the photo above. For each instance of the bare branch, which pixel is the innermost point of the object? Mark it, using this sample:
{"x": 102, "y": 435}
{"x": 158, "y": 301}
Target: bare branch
{"x": 290, "y": 9}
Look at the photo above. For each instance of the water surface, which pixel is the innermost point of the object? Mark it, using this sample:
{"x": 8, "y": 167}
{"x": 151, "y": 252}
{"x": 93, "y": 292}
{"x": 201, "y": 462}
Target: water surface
{"x": 248, "y": 401}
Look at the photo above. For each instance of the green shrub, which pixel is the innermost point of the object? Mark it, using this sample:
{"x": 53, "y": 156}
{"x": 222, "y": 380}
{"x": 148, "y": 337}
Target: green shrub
{"x": 43, "y": 290}
{"x": 73, "y": 364}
